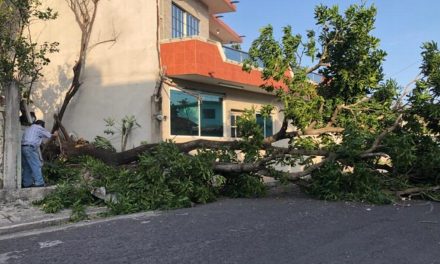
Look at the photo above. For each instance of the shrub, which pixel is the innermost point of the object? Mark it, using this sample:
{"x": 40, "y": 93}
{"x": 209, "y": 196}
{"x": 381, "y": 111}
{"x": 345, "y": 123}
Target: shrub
{"x": 331, "y": 183}
{"x": 244, "y": 185}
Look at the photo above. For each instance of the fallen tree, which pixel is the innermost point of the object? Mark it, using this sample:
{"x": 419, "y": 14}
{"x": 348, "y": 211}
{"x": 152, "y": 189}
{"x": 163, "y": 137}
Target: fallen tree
{"x": 353, "y": 132}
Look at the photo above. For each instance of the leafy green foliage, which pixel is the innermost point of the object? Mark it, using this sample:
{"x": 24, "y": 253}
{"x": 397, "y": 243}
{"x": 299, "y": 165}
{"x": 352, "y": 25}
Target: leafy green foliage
{"x": 417, "y": 156}
{"x": 251, "y": 134}
{"x": 21, "y": 58}
{"x": 66, "y": 195}
{"x": 244, "y": 185}
{"x": 425, "y": 98}
{"x": 123, "y": 128}
{"x": 354, "y": 55}
{"x": 59, "y": 170}
{"x": 164, "y": 178}
{"x": 332, "y": 183}
{"x": 353, "y": 113}
{"x": 103, "y": 143}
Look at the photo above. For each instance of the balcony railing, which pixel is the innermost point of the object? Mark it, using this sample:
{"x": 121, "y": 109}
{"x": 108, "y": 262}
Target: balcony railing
{"x": 314, "y": 77}
{"x": 235, "y": 55}
{"x": 240, "y": 56}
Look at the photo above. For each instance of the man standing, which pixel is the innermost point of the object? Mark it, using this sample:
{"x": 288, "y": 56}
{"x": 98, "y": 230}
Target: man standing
{"x": 31, "y": 175}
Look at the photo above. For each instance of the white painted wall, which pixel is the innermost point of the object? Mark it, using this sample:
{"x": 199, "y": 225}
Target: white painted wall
{"x": 119, "y": 77}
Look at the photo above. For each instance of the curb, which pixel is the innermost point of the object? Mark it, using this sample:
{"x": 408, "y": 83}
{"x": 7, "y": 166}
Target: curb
{"x": 28, "y": 194}
{"x": 48, "y": 222}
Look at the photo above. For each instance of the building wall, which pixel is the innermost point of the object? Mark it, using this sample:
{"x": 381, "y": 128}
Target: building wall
{"x": 234, "y": 99}
{"x": 119, "y": 76}
{"x": 194, "y": 7}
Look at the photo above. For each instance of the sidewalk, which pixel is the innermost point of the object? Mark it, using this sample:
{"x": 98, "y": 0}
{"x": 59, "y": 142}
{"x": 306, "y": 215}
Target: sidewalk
{"x": 23, "y": 216}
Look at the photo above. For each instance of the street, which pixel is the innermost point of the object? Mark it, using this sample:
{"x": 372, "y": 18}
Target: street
{"x": 286, "y": 229}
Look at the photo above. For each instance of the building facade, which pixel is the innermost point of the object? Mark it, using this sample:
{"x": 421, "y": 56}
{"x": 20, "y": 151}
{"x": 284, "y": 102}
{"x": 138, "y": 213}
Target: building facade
{"x": 204, "y": 92}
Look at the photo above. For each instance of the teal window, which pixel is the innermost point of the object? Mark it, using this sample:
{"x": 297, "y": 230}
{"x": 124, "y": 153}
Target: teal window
{"x": 183, "y": 23}
{"x": 266, "y": 124}
{"x": 196, "y": 114}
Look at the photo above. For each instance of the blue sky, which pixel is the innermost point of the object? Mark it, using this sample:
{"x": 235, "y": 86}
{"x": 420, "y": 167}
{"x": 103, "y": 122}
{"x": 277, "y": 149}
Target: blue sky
{"x": 402, "y": 26}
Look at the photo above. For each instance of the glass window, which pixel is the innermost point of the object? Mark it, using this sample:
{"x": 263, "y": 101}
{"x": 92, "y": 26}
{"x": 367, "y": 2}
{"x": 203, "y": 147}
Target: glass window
{"x": 184, "y": 114}
{"x": 187, "y": 113}
{"x": 192, "y": 25}
{"x": 183, "y": 23}
{"x": 268, "y": 127}
{"x": 266, "y": 124}
{"x": 212, "y": 118}
{"x": 235, "y": 132}
{"x": 177, "y": 22}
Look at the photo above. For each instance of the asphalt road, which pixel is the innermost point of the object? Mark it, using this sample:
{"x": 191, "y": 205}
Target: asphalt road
{"x": 268, "y": 230}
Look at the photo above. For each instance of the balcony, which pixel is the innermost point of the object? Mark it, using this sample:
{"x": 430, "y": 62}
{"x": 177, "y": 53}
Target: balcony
{"x": 222, "y": 31}
{"x": 240, "y": 56}
{"x": 219, "y": 6}
{"x": 206, "y": 61}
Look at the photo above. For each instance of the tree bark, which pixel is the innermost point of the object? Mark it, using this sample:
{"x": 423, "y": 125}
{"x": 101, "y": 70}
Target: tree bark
{"x": 132, "y": 155}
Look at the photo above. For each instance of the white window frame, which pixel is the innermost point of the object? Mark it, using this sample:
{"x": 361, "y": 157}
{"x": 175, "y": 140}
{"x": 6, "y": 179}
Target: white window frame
{"x": 198, "y": 94}
{"x": 185, "y": 16}
{"x": 236, "y": 113}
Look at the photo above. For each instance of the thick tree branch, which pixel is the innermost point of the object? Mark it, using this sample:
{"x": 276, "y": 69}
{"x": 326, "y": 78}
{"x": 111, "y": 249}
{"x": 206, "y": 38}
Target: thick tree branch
{"x": 237, "y": 167}
{"x": 338, "y": 108}
{"x": 321, "y": 62}
{"x": 381, "y": 136}
{"x": 317, "y": 66}
{"x": 64, "y": 132}
{"x": 405, "y": 92}
{"x": 281, "y": 134}
{"x": 300, "y": 152}
{"x": 417, "y": 191}
{"x": 132, "y": 155}
{"x": 295, "y": 176}
{"x": 319, "y": 131}
{"x": 374, "y": 154}
{"x": 85, "y": 21}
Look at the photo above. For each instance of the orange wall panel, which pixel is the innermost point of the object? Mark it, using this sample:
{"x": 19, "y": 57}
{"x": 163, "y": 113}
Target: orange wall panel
{"x": 203, "y": 58}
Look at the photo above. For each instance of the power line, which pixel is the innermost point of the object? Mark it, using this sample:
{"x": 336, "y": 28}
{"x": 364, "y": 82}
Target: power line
{"x": 404, "y": 69}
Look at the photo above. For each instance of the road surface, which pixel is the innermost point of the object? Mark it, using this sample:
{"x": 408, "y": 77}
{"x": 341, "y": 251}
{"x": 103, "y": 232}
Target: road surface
{"x": 287, "y": 229}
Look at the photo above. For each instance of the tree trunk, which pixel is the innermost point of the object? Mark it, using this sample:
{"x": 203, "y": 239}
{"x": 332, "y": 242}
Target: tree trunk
{"x": 119, "y": 158}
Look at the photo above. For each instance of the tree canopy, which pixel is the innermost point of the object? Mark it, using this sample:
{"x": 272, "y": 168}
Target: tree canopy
{"x": 365, "y": 124}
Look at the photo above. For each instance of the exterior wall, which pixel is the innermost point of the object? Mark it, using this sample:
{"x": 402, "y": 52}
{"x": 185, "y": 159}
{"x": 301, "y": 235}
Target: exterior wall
{"x": 194, "y": 7}
{"x": 234, "y": 99}
{"x": 214, "y": 37}
{"x": 119, "y": 77}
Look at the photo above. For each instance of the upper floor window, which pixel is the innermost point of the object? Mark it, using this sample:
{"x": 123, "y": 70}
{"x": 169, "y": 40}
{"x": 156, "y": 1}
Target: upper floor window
{"x": 183, "y": 23}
